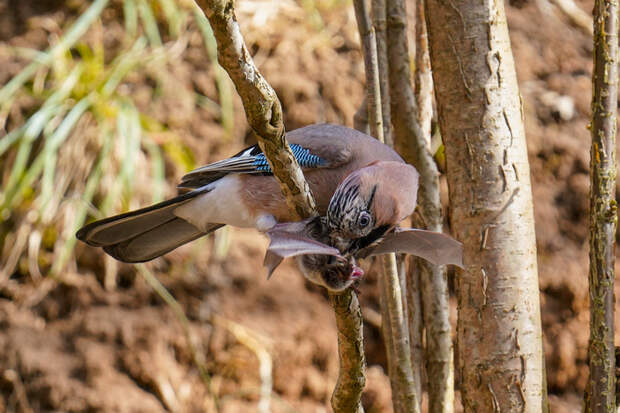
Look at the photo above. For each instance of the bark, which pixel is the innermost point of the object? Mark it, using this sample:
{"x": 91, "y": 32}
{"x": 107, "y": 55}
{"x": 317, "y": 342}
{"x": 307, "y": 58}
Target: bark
{"x": 404, "y": 396}
{"x": 360, "y": 119}
{"x": 346, "y": 397}
{"x": 415, "y": 320}
{"x": 262, "y": 107}
{"x": 423, "y": 76}
{"x": 371, "y": 66}
{"x": 379, "y": 23}
{"x": 603, "y": 214}
{"x": 412, "y": 143}
{"x": 498, "y": 330}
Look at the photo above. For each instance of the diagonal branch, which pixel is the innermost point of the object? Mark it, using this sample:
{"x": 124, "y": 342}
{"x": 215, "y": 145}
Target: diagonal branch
{"x": 264, "y": 114}
{"x": 262, "y": 107}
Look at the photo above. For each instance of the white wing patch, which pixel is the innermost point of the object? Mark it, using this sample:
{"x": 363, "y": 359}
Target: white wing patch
{"x": 221, "y": 205}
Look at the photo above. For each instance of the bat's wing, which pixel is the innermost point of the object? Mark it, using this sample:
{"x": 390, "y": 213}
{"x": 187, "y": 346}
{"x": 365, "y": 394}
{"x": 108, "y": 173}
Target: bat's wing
{"x": 435, "y": 247}
{"x": 289, "y": 240}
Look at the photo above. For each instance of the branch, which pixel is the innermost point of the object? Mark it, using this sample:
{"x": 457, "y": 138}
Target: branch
{"x": 262, "y": 107}
{"x": 371, "y": 66}
{"x": 405, "y": 398}
{"x": 346, "y": 397}
{"x": 264, "y": 114}
{"x": 395, "y": 331}
{"x": 413, "y": 143}
{"x": 603, "y": 209}
{"x": 423, "y": 76}
{"x": 379, "y": 23}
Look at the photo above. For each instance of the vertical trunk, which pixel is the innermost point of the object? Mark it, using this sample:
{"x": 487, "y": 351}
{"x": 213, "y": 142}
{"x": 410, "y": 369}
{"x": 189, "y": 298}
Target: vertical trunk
{"x": 603, "y": 215}
{"x": 423, "y": 76}
{"x": 414, "y": 318}
{"x": 394, "y": 317}
{"x": 499, "y": 331}
{"x": 412, "y": 144}
{"x": 379, "y": 23}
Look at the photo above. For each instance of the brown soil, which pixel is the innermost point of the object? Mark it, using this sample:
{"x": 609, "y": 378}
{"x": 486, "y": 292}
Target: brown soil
{"x": 76, "y": 347}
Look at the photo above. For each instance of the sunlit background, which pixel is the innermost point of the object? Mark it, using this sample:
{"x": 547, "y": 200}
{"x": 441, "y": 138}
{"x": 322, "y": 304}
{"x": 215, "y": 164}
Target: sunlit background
{"x": 105, "y": 104}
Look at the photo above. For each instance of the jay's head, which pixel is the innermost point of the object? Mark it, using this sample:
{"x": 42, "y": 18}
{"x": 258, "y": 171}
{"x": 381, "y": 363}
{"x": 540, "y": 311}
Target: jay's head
{"x": 369, "y": 202}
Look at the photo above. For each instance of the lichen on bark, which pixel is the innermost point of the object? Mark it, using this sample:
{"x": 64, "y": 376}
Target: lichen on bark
{"x": 601, "y": 394}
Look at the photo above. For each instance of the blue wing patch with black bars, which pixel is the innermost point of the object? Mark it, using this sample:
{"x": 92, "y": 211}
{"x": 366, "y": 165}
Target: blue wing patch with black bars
{"x": 303, "y": 155}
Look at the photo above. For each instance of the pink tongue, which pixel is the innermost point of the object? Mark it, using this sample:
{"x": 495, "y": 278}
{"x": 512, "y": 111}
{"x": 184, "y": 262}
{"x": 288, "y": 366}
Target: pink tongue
{"x": 357, "y": 273}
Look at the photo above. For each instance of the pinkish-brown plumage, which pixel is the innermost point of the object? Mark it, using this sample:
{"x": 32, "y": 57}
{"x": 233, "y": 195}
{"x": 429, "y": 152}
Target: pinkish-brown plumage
{"x": 370, "y": 202}
{"x": 236, "y": 191}
{"x": 346, "y": 151}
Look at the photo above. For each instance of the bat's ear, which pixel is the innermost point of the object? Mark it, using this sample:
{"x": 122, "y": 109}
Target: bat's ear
{"x": 271, "y": 262}
{"x": 435, "y": 247}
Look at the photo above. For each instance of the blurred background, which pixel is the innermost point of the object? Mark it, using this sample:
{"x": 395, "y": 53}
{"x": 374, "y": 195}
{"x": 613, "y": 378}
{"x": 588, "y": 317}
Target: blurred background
{"x": 105, "y": 104}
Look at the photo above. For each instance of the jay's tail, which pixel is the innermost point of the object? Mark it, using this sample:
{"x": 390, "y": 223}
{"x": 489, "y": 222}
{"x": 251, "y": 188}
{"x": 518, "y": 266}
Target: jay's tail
{"x": 144, "y": 234}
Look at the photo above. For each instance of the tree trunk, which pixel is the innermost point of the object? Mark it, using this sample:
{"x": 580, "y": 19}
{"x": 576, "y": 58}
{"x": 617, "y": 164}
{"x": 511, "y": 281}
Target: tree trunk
{"x": 499, "y": 329}
{"x": 603, "y": 214}
{"x": 414, "y": 147}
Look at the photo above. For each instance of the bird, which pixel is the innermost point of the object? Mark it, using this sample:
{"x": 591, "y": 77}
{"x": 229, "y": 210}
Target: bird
{"x": 368, "y": 204}
{"x": 239, "y": 191}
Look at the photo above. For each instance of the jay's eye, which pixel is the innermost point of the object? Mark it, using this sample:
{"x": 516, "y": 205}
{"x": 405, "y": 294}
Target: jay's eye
{"x": 364, "y": 220}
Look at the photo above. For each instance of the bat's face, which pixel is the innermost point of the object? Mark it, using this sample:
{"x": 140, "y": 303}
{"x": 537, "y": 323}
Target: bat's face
{"x": 334, "y": 273}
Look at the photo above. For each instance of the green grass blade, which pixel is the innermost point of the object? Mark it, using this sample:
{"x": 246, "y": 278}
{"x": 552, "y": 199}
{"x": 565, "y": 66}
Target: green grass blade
{"x": 133, "y": 133}
{"x": 158, "y": 170}
{"x": 222, "y": 81}
{"x": 80, "y": 216}
{"x": 150, "y": 23}
{"x": 173, "y": 15}
{"x": 130, "y": 12}
{"x": 14, "y": 191}
{"x": 123, "y": 65}
{"x": 73, "y": 35}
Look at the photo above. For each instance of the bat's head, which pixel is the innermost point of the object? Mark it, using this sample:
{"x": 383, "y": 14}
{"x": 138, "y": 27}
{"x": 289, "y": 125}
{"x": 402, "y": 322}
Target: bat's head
{"x": 334, "y": 273}
{"x": 369, "y": 202}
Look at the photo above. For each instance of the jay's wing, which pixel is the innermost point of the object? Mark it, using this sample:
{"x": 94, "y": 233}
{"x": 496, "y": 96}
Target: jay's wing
{"x": 435, "y": 247}
{"x": 290, "y": 240}
{"x": 249, "y": 161}
{"x": 314, "y": 146}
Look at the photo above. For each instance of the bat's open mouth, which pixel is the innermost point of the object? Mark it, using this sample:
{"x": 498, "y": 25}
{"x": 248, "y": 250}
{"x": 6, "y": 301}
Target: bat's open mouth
{"x": 356, "y": 273}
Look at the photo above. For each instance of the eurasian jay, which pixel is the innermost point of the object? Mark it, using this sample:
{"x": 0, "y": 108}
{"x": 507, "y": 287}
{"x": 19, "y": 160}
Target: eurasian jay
{"x": 241, "y": 191}
{"x": 367, "y": 204}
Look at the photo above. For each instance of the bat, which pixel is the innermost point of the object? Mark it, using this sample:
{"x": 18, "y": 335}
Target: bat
{"x": 293, "y": 239}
